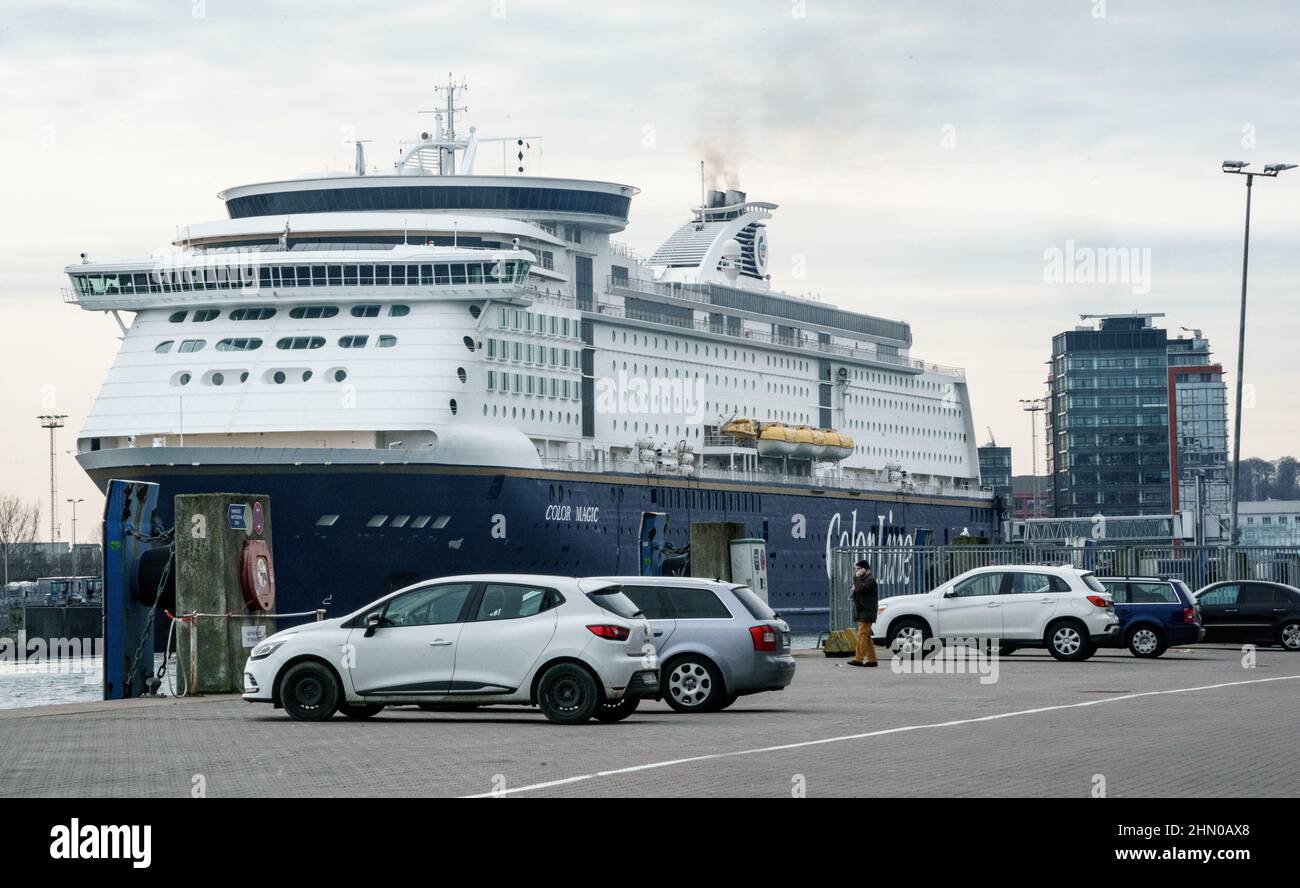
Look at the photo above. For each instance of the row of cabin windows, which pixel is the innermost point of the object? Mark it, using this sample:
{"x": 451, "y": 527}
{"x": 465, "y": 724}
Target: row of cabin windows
{"x": 287, "y": 343}
{"x": 528, "y": 353}
{"x": 516, "y": 319}
{"x": 300, "y": 312}
{"x": 213, "y": 277}
{"x": 527, "y": 384}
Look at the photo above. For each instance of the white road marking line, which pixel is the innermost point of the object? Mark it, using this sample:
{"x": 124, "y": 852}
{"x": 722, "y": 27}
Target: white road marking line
{"x": 899, "y": 730}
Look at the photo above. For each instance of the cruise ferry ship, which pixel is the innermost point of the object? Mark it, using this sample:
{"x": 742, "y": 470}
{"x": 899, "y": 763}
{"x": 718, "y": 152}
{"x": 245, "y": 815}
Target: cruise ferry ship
{"x": 432, "y": 371}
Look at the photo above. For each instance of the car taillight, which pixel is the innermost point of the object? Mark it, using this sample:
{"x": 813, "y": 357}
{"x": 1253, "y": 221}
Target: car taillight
{"x": 1189, "y": 615}
{"x": 613, "y": 633}
{"x": 1099, "y": 600}
{"x": 764, "y": 637}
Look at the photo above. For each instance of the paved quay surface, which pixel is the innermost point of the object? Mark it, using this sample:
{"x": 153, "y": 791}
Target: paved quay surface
{"x": 1194, "y": 722}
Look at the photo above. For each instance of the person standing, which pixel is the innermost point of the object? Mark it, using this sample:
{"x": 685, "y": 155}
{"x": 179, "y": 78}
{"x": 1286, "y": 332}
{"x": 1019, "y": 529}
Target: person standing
{"x": 866, "y": 601}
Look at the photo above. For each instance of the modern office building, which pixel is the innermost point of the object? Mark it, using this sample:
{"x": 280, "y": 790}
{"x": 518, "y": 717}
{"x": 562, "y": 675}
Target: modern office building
{"x": 1108, "y": 419}
{"x": 1117, "y": 388}
{"x": 1198, "y": 447}
{"x": 995, "y": 474}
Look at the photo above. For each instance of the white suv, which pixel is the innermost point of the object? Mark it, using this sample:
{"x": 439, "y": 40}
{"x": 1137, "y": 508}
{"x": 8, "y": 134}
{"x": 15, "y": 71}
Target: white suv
{"x": 1064, "y": 609}
{"x": 577, "y": 649}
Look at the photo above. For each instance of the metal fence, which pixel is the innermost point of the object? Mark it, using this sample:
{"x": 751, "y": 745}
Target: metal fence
{"x": 911, "y": 570}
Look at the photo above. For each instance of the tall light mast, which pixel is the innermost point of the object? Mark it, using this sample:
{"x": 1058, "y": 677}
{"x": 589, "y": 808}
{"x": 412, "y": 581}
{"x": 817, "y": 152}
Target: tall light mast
{"x": 53, "y": 422}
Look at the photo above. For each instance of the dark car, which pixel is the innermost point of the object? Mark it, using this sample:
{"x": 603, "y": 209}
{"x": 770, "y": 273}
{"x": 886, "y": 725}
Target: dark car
{"x": 1254, "y": 611}
{"x": 1154, "y": 612}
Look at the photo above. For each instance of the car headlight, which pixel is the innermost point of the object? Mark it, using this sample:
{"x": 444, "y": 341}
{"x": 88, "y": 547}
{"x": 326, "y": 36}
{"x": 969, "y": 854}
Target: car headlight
{"x": 266, "y": 649}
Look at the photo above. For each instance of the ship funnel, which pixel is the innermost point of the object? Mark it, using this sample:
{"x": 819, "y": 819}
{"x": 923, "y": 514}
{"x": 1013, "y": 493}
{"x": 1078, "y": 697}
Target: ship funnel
{"x": 734, "y": 197}
{"x": 716, "y": 199}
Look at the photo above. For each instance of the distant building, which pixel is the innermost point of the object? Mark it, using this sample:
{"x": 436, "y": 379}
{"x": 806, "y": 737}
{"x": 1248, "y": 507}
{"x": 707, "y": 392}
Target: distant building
{"x": 1022, "y": 497}
{"x": 1198, "y": 415}
{"x": 1115, "y": 389}
{"x": 1270, "y": 523}
{"x": 995, "y": 474}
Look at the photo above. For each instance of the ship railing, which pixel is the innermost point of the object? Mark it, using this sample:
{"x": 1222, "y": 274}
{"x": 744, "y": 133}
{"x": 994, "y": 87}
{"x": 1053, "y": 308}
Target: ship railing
{"x": 806, "y": 343}
{"x": 817, "y": 480}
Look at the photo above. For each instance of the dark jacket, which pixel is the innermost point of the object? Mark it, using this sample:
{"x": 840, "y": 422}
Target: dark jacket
{"x": 866, "y": 598}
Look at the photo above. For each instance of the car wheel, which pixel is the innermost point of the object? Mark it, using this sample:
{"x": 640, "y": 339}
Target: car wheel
{"x": 693, "y": 684}
{"x": 1289, "y": 636}
{"x": 616, "y": 710}
{"x": 567, "y": 694}
{"x": 309, "y": 692}
{"x": 908, "y": 637}
{"x": 726, "y": 701}
{"x": 1068, "y": 640}
{"x": 1146, "y": 642}
{"x": 1006, "y": 650}
{"x": 360, "y": 710}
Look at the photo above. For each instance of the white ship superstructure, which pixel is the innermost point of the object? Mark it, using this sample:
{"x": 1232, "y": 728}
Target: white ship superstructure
{"x": 430, "y": 314}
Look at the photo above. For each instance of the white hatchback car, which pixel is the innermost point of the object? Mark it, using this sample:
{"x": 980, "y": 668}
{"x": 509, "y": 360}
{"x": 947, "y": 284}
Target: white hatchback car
{"x": 1064, "y": 609}
{"x": 577, "y": 649}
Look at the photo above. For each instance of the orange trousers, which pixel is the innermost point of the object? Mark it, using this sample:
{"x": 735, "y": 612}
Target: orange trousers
{"x": 866, "y": 652}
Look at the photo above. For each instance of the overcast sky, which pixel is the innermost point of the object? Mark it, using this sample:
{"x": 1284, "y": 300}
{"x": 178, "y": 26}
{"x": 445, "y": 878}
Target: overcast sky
{"x": 926, "y": 156}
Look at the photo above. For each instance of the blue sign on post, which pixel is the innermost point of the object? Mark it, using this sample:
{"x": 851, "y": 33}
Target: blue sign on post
{"x": 237, "y": 516}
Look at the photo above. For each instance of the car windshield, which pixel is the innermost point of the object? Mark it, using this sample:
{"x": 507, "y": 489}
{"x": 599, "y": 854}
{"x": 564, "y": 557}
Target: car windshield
{"x": 612, "y": 599}
{"x": 1090, "y": 580}
{"x": 756, "y": 606}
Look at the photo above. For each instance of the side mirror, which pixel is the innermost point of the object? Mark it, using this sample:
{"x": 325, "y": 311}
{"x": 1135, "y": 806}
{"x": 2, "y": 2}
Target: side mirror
{"x": 373, "y": 622}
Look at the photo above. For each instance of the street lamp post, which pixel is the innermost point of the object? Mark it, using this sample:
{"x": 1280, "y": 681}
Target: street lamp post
{"x": 72, "y": 547}
{"x": 1034, "y": 406}
{"x": 1238, "y": 167}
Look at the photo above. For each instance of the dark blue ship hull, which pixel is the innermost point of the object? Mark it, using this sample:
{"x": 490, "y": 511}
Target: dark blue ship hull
{"x": 474, "y": 519}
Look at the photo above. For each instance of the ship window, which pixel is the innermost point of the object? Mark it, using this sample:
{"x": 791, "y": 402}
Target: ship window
{"x": 182, "y": 378}
{"x": 353, "y": 341}
{"x": 165, "y": 346}
{"x": 306, "y": 375}
{"x": 399, "y": 311}
{"x": 426, "y": 275}
{"x": 420, "y": 522}
{"x": 368, "y": 311}
{"x": 313, "y": 311}
{"x": 399, "y": 520}
{"x": 252, "y": 314}
{"x": 326, "y": 520}
{"x": 178, "y": 316}
{"x": 469, "y": 342}
{"x": 192, "y": 345}
{"x": 239, "y": 344}
{"x": 300, "y": 342}
{"x": 475, "y": 311}
{"x": 386, "y": 342}
{"x": 458, "y": 273}
{"x": 340, "y": 375}
{"x": 398, "y": 274}
{"x": 376, "y": 521}
{"x": 452, "y": 405}
{"x": 243, "y": 376}
{"x": 441, "y": 521}
{"x": 460, "y": 373}
{"x": 278, "y": 377}
{"x": 442, "y": 274}
{"x": 335, "y": 275}
{"x": 206, "y": 314}
{"x": 381, "y": 276}
{"x": 367, "y": 275}
{"x": 304, "y": 275}
{"x": 350, "y": 275}
{"x": 218, "y": 378}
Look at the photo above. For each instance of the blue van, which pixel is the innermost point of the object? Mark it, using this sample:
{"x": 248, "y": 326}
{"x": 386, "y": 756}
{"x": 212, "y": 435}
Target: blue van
{"x": 1154, "y": 612}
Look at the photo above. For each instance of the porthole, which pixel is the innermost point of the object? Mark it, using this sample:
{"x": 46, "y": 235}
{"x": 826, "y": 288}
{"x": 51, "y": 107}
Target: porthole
{"x": 453, "y": 406}
{"x": 243, "y": 377}
{"x": 461, "y": 374}
{"x": 475, "y": 311}
{"x": 469, "y": 342}
{"x": 183, "y": 379}
{"x": 218, "y": 378}
{"x": 340, "y": 375}
{"x": 306, "y": 375}
{"x": 278, "y": 377}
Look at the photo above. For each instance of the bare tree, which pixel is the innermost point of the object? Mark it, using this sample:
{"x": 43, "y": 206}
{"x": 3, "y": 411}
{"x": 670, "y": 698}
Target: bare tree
{"x": 19, "y": 523}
